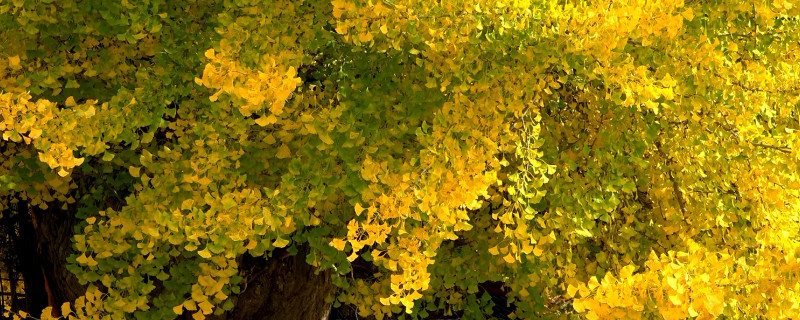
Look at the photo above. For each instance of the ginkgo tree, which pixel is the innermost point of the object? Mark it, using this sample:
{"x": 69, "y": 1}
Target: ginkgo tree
{"x": 239, "y": 158}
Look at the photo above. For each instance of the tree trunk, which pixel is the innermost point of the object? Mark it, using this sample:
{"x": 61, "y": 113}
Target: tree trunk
{"x": 26, "y": 246}
{"x": 281, "y": 287}
{"x": 12, "y": 281}
{"x": 43, "y": 245}
{"x": 54, "y": 232}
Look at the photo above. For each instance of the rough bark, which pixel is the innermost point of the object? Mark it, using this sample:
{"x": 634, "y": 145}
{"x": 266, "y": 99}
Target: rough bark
{"x": 42, "y": 247}
{"x": 281, "y": 287}
{"x": 13, "y": 291}
{"x": 54, "y": 232}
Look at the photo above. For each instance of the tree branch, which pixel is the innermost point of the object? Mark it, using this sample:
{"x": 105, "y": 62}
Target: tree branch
{"x": 779, "y": 148}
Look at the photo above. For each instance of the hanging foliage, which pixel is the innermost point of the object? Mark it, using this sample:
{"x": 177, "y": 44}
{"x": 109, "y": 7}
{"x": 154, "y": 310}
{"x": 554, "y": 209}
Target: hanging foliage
{"x": 608, "y": 159}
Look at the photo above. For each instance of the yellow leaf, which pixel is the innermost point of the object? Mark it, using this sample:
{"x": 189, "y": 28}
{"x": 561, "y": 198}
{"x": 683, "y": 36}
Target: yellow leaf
{"x": 584, "y": 290}
{"x": 283, "y": 152}
{"x": 178, "y": 309}
{"x": 35, "y": 133}
{"x": 204, "y": 253}
{"x": 509, "y": 258}
{"x": 493, "y": 251}
{"x": 280, "y": 242}
{"x": 325, "y": 138}
{"x": 134, "y": 171}
{"x": 81, "y": 259}
{"x": 62, "y": 172}
{"x": 338, "y": 244}
{"x": 148, "y": 137}
{"x": 206, "y": 307}
{"x": 365, "y": 37}
{"x": 269, "y": 139}
{"x": 65, "y": 309}
{"x": 190, "y": 305}
{"x": 91, "y": 220}
{"x": 408, "y": 303}
{"x": 359, "y": 209}
{"x": 209, "y": 53}
{"x": 577, "y": 304}
{"x": 627, "y": 271}
{"x": 714, "y": 304}
{"x": 593, "y": 283}
{"x": 198, "y": 316}
{"x": 527, "y": 248}
{"x": 266, "y": 120}
{"x": 13, "y": 61}
{"x": 571, "y": 290}
{"x": 688, "y": 14}
{"x": 672, "y": 282}
{"x": 47, "y": 313}
{"x": 91, "y": 262}
{"x": 187, "y": 204}
{"x": 692, "y": 311}
{"x": 220, "y": 295}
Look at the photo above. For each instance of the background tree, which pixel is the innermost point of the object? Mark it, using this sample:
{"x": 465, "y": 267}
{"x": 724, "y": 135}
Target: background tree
{"x": 621, "y": 158}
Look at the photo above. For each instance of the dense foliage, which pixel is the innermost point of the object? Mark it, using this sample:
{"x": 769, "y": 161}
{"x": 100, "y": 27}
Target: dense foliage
{"x": 614, "y": 158}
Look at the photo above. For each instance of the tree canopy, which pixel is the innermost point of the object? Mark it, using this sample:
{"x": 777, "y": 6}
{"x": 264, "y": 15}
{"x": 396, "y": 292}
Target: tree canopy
{"x": 604, "y": 159}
